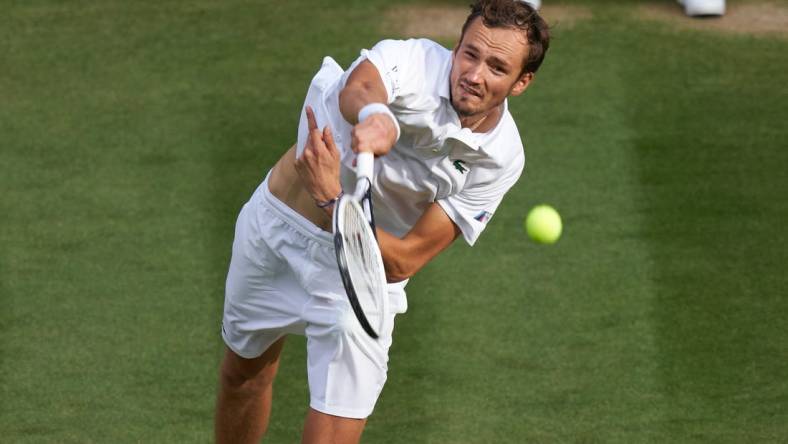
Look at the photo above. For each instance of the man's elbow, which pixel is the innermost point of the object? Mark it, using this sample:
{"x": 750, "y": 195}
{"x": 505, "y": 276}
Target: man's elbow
{"x": 348, "y": 101}
{"x": 399, "y": 272}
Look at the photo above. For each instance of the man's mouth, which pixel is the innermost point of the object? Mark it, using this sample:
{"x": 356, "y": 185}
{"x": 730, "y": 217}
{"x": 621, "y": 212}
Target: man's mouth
{"x": 470, "y": 90}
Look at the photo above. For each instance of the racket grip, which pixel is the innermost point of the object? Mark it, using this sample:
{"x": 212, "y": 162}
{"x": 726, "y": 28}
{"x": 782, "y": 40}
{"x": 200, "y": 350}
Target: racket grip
{"x": 365, "y": 164}
{"x": 364, "y": 169}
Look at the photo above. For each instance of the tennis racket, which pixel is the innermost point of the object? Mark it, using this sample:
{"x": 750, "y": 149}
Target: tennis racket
{"x": 358, "y": 254}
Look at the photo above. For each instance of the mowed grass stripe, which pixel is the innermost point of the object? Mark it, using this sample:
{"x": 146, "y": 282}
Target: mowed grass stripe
{"x": 555, "y": 342}
{"x": 129, "y": 126}
{"x": 105, "y": 236}
{"x": 712, "y": 169}
{"x": 133, "y": 133}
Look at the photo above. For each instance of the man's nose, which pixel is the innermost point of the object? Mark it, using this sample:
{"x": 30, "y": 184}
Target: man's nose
{"x": 474, "y": 74}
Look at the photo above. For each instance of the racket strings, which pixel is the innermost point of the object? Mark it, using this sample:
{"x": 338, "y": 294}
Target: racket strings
{"x": 362, "y": 264}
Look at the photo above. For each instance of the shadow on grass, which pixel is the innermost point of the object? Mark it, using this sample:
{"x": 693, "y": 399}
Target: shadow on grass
{"x": 712, "y": 167}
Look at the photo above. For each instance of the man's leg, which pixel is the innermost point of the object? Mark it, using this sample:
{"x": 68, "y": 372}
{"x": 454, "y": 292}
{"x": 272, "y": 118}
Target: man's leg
{"x": 321, "y": 428}
{"x": 243, "y": 406}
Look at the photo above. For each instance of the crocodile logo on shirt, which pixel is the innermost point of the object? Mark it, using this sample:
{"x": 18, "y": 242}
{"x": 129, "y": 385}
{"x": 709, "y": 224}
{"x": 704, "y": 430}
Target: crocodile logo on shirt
{"x": 460, "y": 166}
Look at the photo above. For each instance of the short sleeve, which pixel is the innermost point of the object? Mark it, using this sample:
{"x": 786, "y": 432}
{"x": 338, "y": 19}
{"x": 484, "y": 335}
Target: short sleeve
{"x": 473, "y": 207}
{"x": 396, "y": 61}
{"x": 321, "y": 83}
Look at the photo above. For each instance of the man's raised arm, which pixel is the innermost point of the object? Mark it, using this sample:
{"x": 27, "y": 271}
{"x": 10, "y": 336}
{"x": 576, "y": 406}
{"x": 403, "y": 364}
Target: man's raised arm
{"x": 365, "y": 96}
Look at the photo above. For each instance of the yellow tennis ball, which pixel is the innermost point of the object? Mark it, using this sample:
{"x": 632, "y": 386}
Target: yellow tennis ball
{"x": 543, "y": 224}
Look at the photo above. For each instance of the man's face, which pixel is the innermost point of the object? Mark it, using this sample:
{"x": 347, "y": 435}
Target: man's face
{"x": 486, "y": 68}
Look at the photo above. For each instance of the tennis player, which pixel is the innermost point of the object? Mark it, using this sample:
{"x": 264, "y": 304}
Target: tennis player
{"x": 448, "y": 150}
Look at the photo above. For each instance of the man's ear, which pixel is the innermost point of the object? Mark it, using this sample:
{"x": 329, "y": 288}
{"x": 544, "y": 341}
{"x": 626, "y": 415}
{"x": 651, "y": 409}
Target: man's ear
{"x": 521, "y": 84}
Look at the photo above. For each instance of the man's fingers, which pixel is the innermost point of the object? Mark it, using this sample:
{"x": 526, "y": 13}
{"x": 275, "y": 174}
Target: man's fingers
{"x": 355, "y": 140}
{"x": 362, "y": 142}
{"x": 315, "y": 142}
{"x": 310, "y": 118}
{"x": 318, "y": 140}
{"x": 308, "y": 154}
{"x": 328, "y": 138}
{"x": 315, "y": 135}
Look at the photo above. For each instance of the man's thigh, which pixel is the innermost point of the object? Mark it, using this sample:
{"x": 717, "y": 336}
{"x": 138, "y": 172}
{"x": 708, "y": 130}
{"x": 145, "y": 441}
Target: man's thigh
{"x": 237, "y": 370}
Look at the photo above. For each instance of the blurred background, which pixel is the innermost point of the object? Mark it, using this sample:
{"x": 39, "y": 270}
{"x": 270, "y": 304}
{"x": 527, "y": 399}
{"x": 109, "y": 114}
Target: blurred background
{"x": 131, "y": 133}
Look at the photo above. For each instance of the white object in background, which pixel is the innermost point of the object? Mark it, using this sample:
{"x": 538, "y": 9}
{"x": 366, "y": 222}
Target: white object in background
{"x": 695, "y": 8}
{"x": 535, "y": 3}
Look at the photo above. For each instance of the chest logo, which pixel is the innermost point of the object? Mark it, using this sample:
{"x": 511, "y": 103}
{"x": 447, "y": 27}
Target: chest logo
{"x": 459, "y": 165}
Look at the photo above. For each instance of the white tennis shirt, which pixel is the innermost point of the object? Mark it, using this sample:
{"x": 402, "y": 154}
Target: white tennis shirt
{"x": 435, "y": 159}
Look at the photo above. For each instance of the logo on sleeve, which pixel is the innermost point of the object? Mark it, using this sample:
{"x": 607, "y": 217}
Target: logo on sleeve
{"x": 460, "y": 166}
{"x": 393, "y": 76}
{"x": 484, "y": 217}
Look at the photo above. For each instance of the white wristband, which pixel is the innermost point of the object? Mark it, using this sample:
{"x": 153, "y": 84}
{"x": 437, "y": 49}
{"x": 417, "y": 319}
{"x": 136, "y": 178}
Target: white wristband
{"x": 377, "y": 108}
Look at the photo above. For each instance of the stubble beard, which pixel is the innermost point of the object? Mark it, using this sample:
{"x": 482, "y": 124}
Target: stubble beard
{"x": 464, "y": 111}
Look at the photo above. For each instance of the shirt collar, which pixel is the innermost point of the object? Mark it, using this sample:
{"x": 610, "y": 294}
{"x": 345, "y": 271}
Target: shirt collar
{"x": 477, "y": 141}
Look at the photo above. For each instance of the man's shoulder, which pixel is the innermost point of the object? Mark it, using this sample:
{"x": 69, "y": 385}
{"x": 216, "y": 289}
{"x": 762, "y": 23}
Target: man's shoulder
{"x": 412, "y": 47}
{"x": 431, "y": 45}
{"x": 414, "y": 67}
{"x": 502, "y": 149}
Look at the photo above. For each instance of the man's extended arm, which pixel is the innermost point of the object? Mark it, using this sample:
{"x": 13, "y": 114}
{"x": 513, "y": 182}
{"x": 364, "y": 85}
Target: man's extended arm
{"x": 432, "y": 233}
{"x": 378, "y": 133}
{"x": 402, "y": 258}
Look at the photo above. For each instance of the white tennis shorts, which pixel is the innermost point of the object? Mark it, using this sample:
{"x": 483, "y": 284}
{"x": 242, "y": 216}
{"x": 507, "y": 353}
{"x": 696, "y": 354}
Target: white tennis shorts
{"x": 283, "y": 278}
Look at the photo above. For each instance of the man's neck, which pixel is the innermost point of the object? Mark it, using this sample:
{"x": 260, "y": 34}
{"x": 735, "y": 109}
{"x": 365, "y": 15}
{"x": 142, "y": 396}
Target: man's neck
{"x": 481, "y": 123}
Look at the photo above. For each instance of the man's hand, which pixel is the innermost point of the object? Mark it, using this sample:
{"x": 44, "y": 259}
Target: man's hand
{"x": 318, "y": 166}
{"x": 376, "y": 134}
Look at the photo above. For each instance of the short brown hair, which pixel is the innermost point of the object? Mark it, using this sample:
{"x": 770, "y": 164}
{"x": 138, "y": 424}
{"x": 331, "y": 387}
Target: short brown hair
{"x": 514, "y": 14}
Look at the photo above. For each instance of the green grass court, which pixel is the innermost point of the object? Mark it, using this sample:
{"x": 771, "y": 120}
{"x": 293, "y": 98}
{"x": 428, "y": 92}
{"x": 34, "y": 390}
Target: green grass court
{"x": 132, "y": 132}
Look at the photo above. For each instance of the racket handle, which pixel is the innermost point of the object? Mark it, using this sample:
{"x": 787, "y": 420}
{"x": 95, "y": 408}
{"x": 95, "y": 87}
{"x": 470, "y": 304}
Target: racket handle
{"x": 365, "y": 165}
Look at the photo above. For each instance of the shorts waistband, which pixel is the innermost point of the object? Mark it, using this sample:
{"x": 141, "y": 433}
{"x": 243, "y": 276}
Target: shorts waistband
{"x": 289, "y": 215}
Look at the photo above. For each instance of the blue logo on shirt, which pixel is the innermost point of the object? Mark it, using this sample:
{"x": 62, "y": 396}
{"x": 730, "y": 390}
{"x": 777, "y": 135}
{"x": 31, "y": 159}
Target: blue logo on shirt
{"x": 484, "y": 217}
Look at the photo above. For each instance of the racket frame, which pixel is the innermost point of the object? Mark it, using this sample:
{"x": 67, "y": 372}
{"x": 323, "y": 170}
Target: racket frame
{"x": 361, "y": 195}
